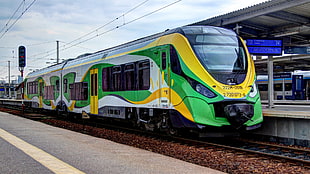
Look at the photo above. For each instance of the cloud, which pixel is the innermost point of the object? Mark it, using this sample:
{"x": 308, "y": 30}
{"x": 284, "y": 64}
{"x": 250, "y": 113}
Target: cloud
{"x": 66, "y": 20}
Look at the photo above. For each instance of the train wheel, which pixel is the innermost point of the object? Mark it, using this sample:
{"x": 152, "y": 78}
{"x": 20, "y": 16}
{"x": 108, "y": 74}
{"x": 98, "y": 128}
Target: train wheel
{"x": 172, "y": 132}
{"x": 58, "y": 112}
{"x": 133, "y": 120}
{"x": 66, "y": 113}
{"x": 166, "y": 125}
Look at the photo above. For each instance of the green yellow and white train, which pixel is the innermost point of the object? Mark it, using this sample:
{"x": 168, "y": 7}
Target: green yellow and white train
{"x": 197, "y": 78}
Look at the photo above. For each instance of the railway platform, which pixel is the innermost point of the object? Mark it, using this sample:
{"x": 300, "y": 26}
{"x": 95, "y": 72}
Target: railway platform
{"x": 286, "y": 122}
{"x": 32, "y": 147}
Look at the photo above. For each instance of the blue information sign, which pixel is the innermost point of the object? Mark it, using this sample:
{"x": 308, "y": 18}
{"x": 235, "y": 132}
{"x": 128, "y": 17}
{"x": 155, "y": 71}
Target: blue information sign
{"x": 265, "y": 46}
{"x": 282, "y": 75}
{"x": 264, "y": 42}
{"x": 265, "y": 50}
{"x": 296, "y": 50}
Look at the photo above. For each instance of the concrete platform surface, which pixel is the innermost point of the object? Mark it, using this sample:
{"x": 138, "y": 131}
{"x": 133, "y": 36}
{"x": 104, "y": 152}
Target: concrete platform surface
{"x": 286, "y": 123}
{"x": 287, "y": 111}
{"x": 33, "y": 147}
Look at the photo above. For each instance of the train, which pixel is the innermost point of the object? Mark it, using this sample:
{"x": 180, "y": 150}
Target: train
{"x": 194, "y": 78}
{"x": 287, "y": 85}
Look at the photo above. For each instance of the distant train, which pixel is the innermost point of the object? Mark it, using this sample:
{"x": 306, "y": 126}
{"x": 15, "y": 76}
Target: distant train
{"x": 287, "y": 86}
{"x": 193, "y": 78}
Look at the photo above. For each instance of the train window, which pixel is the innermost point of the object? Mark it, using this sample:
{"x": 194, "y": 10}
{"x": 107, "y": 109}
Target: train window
{"x": 288, "y": 86}
{"x": 106, "y": 79}
{"x": 124, "y": 77}
{"x": 35, "y": 87}
{"x": 278, "y": 87}
{"x": 49, "y": 92}
{"x": 94, "y": 85}
{"x": 163, "y": 60}
{"x": 176, "y": 68}
{"x": 29, "y": 87}
{"x": 79, "y": 91}
{"x": 116, "y": 76}
{"x": 262, "y": 87}
{"x": 41, "y": 88}
{"x": 144, "y": 75}
{"x": 129, "y": 76}
{"x": 57, "y": 86}
{"x": 32, "y": 87}
{"x": 65, "y": 85}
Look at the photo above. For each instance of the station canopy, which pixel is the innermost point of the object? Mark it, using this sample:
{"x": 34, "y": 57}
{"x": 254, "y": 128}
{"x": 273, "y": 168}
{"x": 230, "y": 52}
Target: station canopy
{"x": 288, "y": 20}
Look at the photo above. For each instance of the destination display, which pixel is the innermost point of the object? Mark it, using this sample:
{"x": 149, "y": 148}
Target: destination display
{"x": 296, "y": 50}
{"x": 264, "y": 42}
{"x": 265, "y": 50}
{"x": 264, "y": 46}
{"x": 282, "y": 75}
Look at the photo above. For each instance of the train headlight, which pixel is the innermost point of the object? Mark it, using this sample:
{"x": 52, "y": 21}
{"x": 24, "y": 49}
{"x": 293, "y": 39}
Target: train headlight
{"x": 253, "y": 91}
{"x": 205, "y": 91}
{"x": 201, "y": 89}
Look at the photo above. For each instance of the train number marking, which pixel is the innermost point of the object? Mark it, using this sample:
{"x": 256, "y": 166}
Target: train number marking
{"x": 232, "y": 87}
{"x": 234, "y": 94}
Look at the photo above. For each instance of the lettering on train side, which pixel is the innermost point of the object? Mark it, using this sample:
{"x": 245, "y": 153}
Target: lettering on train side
{"x": 232, "y": 87}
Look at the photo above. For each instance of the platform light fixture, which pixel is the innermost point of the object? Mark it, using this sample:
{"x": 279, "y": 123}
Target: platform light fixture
{"x": 286, "y": 34}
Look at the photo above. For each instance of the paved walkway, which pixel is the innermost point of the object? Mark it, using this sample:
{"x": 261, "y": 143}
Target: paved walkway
{"x": 33, "y": 147}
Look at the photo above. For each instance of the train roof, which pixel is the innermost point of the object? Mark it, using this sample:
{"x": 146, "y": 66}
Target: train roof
{"x": 139, "y": 43}
{"x": 185, "y": 30}
{"x": 55, "y": 67}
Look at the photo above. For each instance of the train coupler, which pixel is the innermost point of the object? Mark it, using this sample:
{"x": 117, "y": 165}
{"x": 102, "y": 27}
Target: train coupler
{"x": 238, "y": 114}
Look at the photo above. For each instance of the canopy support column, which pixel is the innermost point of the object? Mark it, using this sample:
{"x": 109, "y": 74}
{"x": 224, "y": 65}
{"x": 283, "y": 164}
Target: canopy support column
{"x": 270, "y": 83}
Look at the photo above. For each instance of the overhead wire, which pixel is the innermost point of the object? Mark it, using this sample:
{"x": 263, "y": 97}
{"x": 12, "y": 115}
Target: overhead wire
{"x": 125, "y": 23}
{"x": 53, "y": 51}
{"x": 96, "y": 30}
{"x": 79, "y": 46}
{"x": 41, "y": 43}
{"x": 8, "y": 28}
{"x": 65, "y": 47}
{"x": 7, "y": 23}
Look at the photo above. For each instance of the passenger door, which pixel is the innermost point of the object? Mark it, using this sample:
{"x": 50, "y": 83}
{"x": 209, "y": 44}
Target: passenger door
{"x": 165, "y": 81}
{"x": 41, "y": 87}
{"x": 94, "y": 91}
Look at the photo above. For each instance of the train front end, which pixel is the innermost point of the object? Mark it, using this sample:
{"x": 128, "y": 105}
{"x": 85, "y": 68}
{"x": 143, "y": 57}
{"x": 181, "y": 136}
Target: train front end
{"x": 220, "y": 89}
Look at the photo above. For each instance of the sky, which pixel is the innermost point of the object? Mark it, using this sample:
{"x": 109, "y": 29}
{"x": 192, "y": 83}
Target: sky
{"x": 86, "y": 26}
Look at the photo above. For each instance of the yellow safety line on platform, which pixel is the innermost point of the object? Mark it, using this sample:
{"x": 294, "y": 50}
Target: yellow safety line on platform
{"x": 54, "y": 164}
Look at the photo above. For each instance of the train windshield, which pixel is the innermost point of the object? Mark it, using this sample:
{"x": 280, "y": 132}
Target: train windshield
{"x": 221, "y": 53}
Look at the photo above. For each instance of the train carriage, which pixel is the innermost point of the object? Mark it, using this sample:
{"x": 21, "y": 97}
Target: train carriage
{"x": 192, "y": 77}
{"x": 287, "y": 86}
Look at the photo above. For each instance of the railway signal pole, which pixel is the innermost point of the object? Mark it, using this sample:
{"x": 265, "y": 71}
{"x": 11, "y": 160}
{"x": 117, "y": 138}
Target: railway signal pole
{"x": 22, "y": 64}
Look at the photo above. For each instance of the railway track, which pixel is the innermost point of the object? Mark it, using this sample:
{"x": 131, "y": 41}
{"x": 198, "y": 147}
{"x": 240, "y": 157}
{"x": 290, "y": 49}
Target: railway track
{"x": 281, "y": 152}
{"x": 246, "y": 148}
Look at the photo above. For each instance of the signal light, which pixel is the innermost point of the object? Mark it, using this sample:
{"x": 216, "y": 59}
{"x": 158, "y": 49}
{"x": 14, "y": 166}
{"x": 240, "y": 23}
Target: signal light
{"x": 21, "y": 56}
